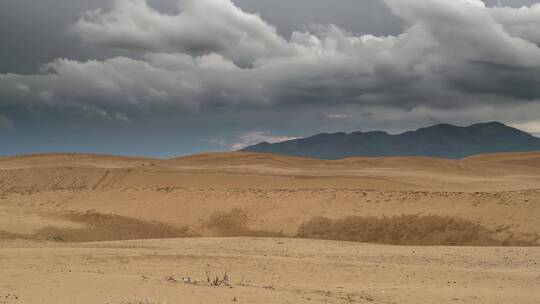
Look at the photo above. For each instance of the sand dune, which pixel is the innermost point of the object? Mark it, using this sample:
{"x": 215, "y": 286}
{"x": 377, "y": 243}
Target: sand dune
{"x": 276, "y": 194}
{"x": 49, "y": 203}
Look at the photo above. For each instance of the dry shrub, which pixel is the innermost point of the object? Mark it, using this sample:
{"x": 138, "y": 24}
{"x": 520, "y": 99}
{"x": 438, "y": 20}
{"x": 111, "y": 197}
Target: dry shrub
{"x": 4, "y": 235}
{"x": 406, "y": 230}
{"x": 234, "y": 224}
{"x": 105, "y": 227}
{"x": 145, "y": 301}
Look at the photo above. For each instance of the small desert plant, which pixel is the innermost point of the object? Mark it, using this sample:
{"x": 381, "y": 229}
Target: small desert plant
{"x": 145, "y": 301}
{"x": 210, "y": 281}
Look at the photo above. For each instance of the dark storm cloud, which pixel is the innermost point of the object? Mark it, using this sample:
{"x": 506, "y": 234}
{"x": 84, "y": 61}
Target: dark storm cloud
{"x": 361, "y": 17}
{"x": 35, "y": 32}
{"x": 213, "y": 53}
{"x": 205, "y": 61}
{"x": 505, "y": 80}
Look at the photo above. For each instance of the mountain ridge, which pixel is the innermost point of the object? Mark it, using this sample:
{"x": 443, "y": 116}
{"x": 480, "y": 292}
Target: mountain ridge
{"x": 440, "y": 140}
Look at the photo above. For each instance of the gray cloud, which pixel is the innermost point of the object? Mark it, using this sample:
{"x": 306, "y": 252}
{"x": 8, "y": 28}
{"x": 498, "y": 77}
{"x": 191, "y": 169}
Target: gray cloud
{"x": 512, "y": 81}
{"x": 522, "y": 22}
{"x": 194, "y": 61}
{"x": 201, "y": 27}
{"x": 454, "y": 61}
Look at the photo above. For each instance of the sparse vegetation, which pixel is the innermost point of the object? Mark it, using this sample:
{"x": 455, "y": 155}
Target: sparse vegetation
{"x": 399, "y": 230}
{"x": 4, "y": 235}
{"x": 106, "y": 227}
{"x": 406, "y": 230}
{"x": 234, "y": 224}
{"x": 145, "y": 301}
{"x": 209, "y": 281}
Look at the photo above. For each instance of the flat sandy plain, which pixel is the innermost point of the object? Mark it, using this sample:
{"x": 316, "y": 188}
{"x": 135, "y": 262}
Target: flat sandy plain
{"x": 106, "y": 230}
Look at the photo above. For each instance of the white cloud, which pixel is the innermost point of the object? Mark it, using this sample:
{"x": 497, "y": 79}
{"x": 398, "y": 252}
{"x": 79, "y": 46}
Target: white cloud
{"x": 337, "y": 116}
{"x": 251, "y": 138}
{"x": 532, "y": 127}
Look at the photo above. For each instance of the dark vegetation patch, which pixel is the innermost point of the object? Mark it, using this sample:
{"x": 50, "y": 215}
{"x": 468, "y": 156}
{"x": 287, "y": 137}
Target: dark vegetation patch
{"x": 105, "y": 227}
{"x": 414, "y": 230}
{"x": 409, "y": 230}
{"x": 234, "y": 223}
{"x": 4, "y": 235}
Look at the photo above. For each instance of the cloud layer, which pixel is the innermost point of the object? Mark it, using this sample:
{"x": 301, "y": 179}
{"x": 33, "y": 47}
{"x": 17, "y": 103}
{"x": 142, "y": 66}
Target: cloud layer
{"x": 453, "y": 55}
{"x": 201, "y": 27}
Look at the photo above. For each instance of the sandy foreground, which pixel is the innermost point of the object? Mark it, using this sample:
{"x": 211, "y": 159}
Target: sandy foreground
{"x": 73, "y": 229}
{"x": 266, "y": 271}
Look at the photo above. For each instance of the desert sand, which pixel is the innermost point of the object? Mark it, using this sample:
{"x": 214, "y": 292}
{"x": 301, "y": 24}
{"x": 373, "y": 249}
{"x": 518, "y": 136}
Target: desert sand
{"x": 105, "y": 229}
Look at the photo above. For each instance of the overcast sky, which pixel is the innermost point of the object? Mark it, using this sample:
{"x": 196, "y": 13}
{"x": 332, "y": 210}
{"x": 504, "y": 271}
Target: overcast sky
{"x": 167, "y": 77}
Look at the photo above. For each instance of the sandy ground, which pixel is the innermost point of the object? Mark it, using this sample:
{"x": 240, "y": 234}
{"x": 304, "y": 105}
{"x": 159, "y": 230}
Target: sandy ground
{"x": 266, "y": 271}
{"x": 50, "y": 203}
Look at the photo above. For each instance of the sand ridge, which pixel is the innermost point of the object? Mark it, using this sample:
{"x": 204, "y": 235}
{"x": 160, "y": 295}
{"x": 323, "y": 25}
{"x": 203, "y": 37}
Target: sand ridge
{"x": 277, "y": 194}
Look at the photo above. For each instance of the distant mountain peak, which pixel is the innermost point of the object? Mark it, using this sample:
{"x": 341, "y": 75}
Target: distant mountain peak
{"x": 440, "y": 140}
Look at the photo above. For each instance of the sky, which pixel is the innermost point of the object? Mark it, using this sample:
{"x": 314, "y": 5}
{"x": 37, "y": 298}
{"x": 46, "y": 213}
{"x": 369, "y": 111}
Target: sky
{"x": 167, "y": 78}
